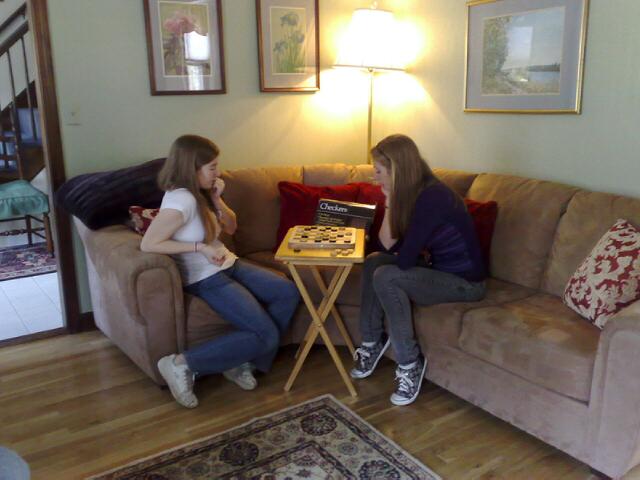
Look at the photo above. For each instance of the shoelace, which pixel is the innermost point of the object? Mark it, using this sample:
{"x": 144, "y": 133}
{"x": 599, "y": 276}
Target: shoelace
{"x": 405, "y": 382}
{"x": 362, "y": 352}
{"x": 188, "y": 377}
{"x": 245, "y": 375}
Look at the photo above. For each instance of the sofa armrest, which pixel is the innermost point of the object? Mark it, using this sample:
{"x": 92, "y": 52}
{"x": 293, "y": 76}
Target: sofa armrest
{"x": 137, "y": 297}
{"x": 615, "y": 395}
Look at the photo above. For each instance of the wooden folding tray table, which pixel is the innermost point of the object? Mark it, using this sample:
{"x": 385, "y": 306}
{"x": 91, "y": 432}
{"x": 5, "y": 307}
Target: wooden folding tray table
{"x": 313, "y": 258}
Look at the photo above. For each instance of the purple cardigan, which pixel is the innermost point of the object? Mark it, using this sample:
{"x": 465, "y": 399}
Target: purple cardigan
{"x": 441, "y": 224}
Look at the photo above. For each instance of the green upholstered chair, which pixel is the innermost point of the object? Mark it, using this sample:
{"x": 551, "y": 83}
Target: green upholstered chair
{"x": 19, "y": 200}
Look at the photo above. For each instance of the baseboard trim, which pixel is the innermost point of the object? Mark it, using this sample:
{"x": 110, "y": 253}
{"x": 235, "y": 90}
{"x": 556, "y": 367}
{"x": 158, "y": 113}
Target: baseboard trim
{"x": 32, "y": 337}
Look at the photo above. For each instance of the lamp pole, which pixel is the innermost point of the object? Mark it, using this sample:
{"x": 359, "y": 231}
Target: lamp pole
{"x": 370, "y": 115}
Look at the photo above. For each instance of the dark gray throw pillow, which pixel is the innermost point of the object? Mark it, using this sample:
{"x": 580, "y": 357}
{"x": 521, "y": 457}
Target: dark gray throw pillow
{"x": 103, "y": 199}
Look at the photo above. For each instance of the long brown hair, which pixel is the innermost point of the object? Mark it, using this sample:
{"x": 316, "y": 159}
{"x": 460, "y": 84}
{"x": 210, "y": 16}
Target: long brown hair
{"x": 410, "y": 174}
{"x": 187, "y": 155}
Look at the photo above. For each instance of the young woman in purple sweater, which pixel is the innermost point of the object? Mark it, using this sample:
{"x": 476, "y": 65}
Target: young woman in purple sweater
{"x": 428, "y": 254}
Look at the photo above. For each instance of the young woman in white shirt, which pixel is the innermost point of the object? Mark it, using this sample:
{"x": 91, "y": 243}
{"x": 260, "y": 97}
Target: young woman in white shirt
{"x": 257, "y": 302}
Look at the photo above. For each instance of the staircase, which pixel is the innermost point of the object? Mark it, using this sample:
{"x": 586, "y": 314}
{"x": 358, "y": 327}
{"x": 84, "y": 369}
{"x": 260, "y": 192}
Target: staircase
{"x": 21, "y": 153}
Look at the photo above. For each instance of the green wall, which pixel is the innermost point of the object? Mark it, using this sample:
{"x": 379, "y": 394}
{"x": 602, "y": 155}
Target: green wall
{"x": 598, "y": 149}
{"x": 101, "y": 67}
{"x": 100, "y": 58}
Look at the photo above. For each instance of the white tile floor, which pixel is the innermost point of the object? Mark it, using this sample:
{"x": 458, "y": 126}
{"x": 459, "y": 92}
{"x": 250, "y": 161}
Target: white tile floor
{"x": 29, "y": 305}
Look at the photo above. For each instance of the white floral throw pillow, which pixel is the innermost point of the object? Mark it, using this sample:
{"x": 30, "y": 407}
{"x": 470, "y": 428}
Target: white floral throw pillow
{"x": 609, "y": 278}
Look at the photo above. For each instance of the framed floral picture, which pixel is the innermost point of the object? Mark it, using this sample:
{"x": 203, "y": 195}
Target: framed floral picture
{"x": 288, "y": 45}
{"x": 525, "y": 56}
{"x": 185, "y": 46}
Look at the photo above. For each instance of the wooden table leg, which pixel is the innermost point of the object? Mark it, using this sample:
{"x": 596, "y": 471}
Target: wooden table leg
{"x": 312, "y": 331}
{"x": 318, "y": 327}
{"x": 325, "y": 297}
{"x": 334, "y": 310}
{"x": 336, "y": 359}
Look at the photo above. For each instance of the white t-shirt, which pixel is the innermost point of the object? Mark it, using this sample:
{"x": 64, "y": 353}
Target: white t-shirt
{"x": 193, "y": 266}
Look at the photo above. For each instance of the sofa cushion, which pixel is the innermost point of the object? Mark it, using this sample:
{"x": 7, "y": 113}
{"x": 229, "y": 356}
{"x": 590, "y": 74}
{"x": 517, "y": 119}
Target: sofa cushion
{"x": 349, "y": 295}
{"x": 537, "y": 338}
{"x": 335, "y": 174}
{"x": 102, "y": 199}
{"x": 330, "y": 174}
{"x": 252, "y": 193}
{"x": 442, "y": 323}
{"x": 457, "y": 180}
{"x": 203, "y": 324}
{"x": 589, "y": 215}
{"x": 529, "y": 211}
{"x": 609, "y": 278}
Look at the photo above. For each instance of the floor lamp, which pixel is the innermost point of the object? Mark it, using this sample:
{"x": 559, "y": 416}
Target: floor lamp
{"x": 370, "y": 44}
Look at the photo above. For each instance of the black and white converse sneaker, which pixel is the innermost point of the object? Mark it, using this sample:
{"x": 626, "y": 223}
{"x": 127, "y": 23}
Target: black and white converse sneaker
{"x": 367, "y": 358}
{"x": 409, "y": 382}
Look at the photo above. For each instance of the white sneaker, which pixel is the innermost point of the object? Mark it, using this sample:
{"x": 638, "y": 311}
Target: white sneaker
{"x": 179, "y": 379}
{"x": 242, "y": 376}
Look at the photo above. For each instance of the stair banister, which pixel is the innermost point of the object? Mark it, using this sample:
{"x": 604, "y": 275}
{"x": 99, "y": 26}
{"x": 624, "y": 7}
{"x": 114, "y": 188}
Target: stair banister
{"x": 14, "y": 117}
{"x": 20, "y": 11}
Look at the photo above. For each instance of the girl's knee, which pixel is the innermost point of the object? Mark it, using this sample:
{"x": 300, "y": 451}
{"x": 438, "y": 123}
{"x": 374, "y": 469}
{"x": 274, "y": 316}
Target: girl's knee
{"x": 377, "y": 260}
{"x": 384, "y": 275}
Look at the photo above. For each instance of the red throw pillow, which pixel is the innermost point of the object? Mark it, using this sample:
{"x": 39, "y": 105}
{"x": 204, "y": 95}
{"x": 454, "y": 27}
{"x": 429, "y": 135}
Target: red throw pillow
{"x": 298, "y": 203}
{"x": 484, "y": 216}
{"x": 141, "y": 218}
{"x": 609, "y": 278}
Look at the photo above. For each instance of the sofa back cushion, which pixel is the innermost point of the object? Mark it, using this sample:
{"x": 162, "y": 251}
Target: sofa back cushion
{"x": 457, "y": 180}
{"x": 328, "y": 174}
{"x": 252, "y": 193}
{"x": 589, "y": 215}
{"x": 528, "y": 214}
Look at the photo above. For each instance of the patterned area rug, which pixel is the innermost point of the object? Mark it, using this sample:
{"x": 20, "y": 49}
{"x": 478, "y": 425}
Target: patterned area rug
{"x": 318, "y": 439}
{"x": 25, "y": 261}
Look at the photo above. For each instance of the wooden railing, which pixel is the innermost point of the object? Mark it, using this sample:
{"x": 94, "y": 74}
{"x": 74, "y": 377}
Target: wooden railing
{"x": 11, "y": 134}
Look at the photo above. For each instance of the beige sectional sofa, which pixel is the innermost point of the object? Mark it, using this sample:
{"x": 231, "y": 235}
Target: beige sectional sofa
{"x": 519, "y": 353}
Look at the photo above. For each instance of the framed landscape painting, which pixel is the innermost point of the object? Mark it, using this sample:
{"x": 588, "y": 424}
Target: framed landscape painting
{"x": 525, "y": 56}
{"x": 185, "y": 46}
{"x": 288, "y": 45}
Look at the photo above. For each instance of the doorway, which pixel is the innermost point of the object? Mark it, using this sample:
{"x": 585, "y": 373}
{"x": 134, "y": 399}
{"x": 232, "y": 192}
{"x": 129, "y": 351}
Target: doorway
{"x": 38, "y": 293}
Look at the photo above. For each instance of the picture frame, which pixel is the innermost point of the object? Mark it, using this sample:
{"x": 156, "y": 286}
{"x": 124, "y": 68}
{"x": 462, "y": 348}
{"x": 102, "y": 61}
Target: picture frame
{"x": 185, "y": 46}
{"x": 525, "y": 56}
{"x": 288, "y": 45}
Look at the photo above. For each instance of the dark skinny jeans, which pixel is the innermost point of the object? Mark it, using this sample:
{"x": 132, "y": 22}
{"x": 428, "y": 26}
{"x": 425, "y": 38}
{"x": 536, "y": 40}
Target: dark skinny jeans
{"x": 388, "y": 290}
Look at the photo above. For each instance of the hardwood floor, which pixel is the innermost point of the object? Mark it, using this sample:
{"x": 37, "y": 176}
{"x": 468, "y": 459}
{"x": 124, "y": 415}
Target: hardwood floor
{"x": 75, "y": 405}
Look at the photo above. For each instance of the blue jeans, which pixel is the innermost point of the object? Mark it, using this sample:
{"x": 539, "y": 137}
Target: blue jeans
{"x": 388, "y": 290}
{"x": 12, "y": 466}
{"x": 258, "y": 303}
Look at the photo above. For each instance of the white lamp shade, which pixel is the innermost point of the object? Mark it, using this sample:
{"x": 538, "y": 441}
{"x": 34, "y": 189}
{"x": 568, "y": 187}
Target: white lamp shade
{"x": 371, "y": 41}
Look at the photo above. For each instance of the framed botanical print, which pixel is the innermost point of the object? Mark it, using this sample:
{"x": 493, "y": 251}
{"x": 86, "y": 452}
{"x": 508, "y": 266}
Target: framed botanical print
{"x": 525, "y": 56}
{"x": 185, "y": 46}
{"x": 288, "y": 45}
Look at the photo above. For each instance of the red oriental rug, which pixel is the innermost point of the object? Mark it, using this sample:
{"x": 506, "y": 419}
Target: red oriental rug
{"x": 25, "y": 261}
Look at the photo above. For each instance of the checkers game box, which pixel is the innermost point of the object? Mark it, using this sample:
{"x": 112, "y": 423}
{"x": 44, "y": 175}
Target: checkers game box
{"x": 344, "y": 214}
